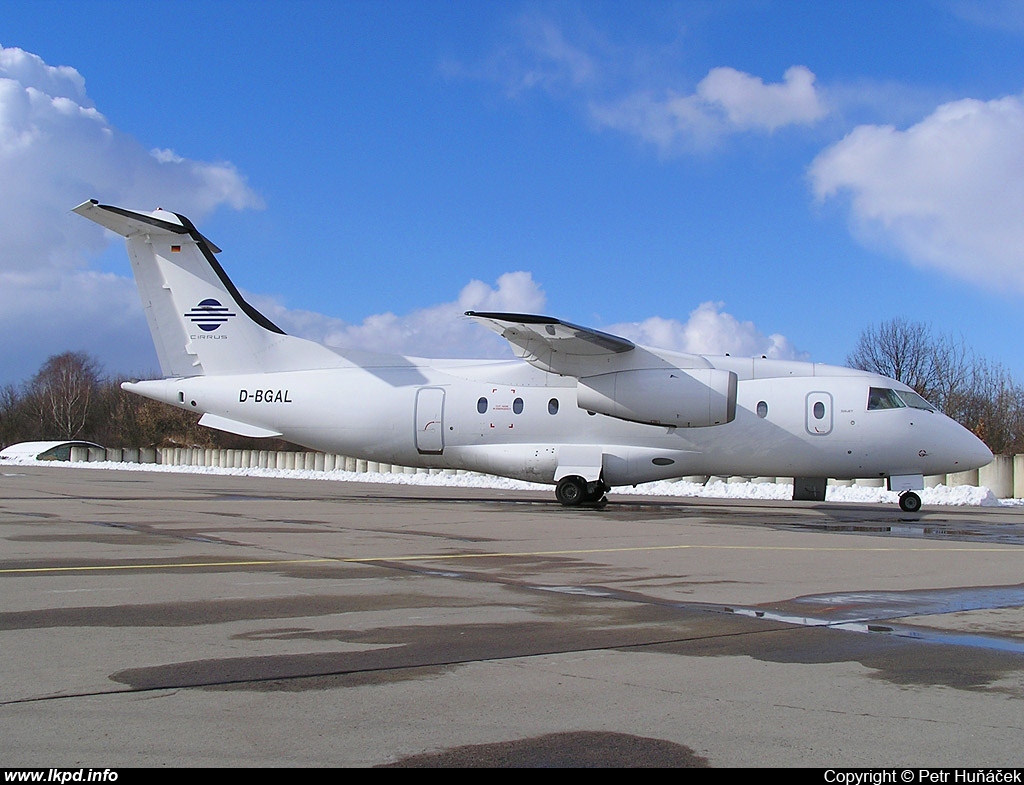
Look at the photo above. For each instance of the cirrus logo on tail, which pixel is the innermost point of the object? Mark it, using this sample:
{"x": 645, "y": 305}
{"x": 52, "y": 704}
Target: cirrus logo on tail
{"x": 209, "y": 314}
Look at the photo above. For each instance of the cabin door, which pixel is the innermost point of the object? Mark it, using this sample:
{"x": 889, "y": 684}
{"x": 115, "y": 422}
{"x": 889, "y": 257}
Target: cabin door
{"x": 430, "y": 420}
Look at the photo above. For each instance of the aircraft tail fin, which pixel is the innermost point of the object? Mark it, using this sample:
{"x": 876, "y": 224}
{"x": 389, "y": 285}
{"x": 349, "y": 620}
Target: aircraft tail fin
{"x": 201, "y": 324}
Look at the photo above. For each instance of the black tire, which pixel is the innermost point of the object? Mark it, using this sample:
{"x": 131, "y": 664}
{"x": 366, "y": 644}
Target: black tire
{"x": 571, "y": 491}
{"x": 910, "y": 502}
{"x": 595, "y": 493}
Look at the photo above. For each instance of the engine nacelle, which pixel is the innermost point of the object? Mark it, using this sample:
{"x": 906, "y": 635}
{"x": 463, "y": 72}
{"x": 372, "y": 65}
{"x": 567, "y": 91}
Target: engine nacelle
{"x": 677, "y": 397}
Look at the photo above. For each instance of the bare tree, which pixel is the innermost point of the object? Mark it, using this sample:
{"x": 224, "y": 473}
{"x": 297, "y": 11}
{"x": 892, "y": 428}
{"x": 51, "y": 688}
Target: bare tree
{"x": 992, "y": 406}
{"x": 978, "y": 394}
{"x": 62, "y": 394}
{"x": 954, "y": 370}
{"x": 937, "y": 366}
{"x": 15, "y": 419}
{"x": 67, "y": 399}
{"x": 130, "y": 420}
{"x": 898, "y": 349}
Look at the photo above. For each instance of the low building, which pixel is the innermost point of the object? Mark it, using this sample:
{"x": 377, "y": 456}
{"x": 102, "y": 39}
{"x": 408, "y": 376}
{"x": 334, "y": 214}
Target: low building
{"x": 43, "y": 451}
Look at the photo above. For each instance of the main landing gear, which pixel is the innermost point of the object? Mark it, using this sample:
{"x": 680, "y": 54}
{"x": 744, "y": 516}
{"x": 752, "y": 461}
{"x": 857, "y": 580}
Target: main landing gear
{"x": 574, "y": 491}
{"x": 910, "y": 501}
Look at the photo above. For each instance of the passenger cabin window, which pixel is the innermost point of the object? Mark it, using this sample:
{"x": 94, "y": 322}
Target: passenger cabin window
{"x": 553, "y": 406}
{"x": 762, "y": 409}
{"x": 517, "y": 406}
{"x": 481, "y": 406}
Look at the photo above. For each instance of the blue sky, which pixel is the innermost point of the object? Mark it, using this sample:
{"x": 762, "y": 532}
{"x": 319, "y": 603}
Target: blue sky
{"x": 752, "y": 177}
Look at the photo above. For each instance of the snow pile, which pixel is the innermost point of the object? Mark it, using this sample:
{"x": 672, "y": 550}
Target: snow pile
{"x": 961, "y": 495}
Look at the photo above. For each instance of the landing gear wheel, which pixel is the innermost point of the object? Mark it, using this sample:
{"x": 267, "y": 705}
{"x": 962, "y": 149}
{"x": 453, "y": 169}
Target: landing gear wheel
{"x": 910, "y": 502}
{"x": 571, "y": 491}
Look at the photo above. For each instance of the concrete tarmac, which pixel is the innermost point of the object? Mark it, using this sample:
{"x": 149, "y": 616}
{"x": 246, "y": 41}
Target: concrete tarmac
{"x": 157, "y": 619}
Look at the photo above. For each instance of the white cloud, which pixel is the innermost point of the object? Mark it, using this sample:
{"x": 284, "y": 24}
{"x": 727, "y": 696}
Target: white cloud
{"x": 56, "y": 81}
{"x": 947, "y": 192}
{"x": 50, "y": 311}
{"x": 708, "y": 330}
{"x": 726, "y": 101}
{"x": 539, "y": 57}
{"x": 669, "y": 122}
{"x": 748, "y": 103}
{"x": 443, "y": 331}
{"x": 556, "y": 61}
{"x": 1006, "y": 15}
{"x": 629, "y": 90}
{"x": 435, "y": 331}
{"x": 56, "y": 150}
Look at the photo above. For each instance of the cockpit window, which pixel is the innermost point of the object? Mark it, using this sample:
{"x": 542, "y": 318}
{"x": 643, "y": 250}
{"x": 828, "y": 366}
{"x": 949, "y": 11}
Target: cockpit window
{"x": 884, "y": 398}
{"x": 915, "y": 401}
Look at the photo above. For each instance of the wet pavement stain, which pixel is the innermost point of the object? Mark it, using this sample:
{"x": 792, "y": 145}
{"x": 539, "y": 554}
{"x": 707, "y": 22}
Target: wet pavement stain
{"x": 873, "y": 612}
{"x": 579, "y": 749}
{"x": 990, "y": 529}
{"x": 599, "y": 619}
{"x": 393, "y": 650}
{"x": 211, "y": 611}
{"x": 898, "y": 661}
{"x": 918, "y": 602}
{"x": 401, "y": 653}
{"x": 338, "y": 681}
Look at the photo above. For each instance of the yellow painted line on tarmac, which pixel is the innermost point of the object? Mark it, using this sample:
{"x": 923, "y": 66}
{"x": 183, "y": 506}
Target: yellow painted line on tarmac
{"x": 1013, "y": 549}
{"x": 640, "y": 548}
{"x": 168, "y": 566}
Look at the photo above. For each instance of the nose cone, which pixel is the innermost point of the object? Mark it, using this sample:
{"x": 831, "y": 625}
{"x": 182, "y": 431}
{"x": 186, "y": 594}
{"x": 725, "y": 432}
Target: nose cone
{"x": 974, "y": 452}
{"x": 954, "y": 448}
{"x": 968, "y": 451}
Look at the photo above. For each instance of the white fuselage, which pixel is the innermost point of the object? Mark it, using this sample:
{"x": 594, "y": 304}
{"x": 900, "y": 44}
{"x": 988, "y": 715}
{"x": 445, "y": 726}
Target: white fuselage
{"x": 511, "y": 419}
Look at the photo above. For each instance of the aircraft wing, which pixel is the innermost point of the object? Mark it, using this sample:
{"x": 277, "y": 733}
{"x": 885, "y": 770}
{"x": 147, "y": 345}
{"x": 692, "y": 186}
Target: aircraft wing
{"x": 553, "y": 345}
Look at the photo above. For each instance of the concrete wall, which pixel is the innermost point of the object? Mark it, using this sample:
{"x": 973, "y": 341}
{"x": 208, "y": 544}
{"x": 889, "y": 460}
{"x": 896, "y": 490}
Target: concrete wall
{"x": 1004, "y": 476}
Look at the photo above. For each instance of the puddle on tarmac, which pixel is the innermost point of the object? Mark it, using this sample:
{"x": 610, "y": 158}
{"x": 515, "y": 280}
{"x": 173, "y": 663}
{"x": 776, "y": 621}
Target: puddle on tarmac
{"x": 863, "y": 612}
{"x": 1007, "y": 533}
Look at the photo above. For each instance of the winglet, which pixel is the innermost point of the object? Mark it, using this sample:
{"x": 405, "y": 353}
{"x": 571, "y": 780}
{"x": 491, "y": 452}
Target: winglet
{"x": 552, "y": 344}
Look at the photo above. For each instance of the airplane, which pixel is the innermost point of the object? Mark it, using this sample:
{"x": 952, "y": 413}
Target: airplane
{"x": 579, "y": 409}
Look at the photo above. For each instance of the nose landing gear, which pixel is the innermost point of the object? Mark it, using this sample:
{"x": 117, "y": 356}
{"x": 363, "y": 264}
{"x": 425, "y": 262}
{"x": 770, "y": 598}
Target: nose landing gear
{"x": 905, "y": 485}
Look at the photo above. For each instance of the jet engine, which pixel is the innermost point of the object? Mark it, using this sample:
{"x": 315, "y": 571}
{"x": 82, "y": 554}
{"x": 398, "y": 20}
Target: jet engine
{"x": 676, "y": 397}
